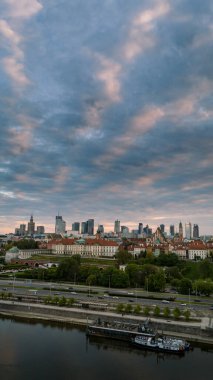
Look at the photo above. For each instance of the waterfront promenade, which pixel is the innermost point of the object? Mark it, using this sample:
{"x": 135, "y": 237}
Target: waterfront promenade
{"x": 200, "y": 330}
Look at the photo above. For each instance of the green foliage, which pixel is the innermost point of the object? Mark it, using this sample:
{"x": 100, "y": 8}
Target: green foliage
{"x": 157, "y": 281}
{"x": 137, "y": 309}
{"x": 185, "y": 286}
{"x": 120, "y": 308}
{"x": 146, "y": 311}
{"x": 176, "y": 313}
{"x": 157, "y": 311}
{"x": 68, "y": 269}
{"x": 123, "y": 257}
{"x": 70, "y": 302}
{"x": 166, "y": 312}
{"x": 203, "y": 287}
{"x": 128, "y": 308}
{"x": 62, "y": 301}
{"x": 187, "y": 314}
{"x": 167, "y": 260}
{"x": 48, "y": 300}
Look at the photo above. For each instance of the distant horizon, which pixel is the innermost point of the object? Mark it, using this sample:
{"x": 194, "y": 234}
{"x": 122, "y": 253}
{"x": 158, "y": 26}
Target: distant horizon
{"x": 109, "y": 226}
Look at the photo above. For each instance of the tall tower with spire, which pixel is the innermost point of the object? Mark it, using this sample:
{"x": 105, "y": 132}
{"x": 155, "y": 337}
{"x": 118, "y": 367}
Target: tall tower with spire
{"x": 180, "y": 230}
{"x": 31, "y": 226}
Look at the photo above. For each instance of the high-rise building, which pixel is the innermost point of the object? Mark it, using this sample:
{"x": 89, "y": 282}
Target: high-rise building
{"x": 117, "y": 228}
{"x": 76, "y": 226}
{"x": 195, "y": 231}
{"x": 84, "y": 228}
{"x": 40, "y": 230}
{"x": 100, "y": 229}
{"x": 60, "y": 225}
{"x": 140, "y": 228}
{"x": 31, "y": 226}
{"x": 172, "y": 230}
{"x": 90, "y": 226}
{"x": 162, "y": 227}
{"x": 188, "y": 230}
{"x": 180, "y": 230}
{"x": 22, "y": 229}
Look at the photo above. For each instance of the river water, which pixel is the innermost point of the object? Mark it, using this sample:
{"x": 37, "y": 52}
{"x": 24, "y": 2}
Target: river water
{"x": 39, "y": 351}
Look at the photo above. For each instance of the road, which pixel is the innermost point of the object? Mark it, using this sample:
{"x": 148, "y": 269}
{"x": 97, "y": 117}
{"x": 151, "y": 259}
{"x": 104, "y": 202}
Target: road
{"x": 83, "y": 293}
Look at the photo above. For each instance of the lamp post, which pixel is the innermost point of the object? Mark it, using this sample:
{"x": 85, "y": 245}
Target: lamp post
{"x": 14, "y": 278}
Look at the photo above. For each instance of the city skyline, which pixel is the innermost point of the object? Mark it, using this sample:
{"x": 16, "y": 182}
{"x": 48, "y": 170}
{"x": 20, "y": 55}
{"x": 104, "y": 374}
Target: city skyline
{"x": 106, "y": 112}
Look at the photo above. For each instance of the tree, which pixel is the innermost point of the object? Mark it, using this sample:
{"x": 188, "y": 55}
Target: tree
{"x": 62, "y": 301}
{"x": 166, "y": 312}
{"x": 137, "y": 309}
{"x": 120, "y": 308}
{"x": 187, "y": 314}
{"x": 203, "y": 287}
{"x": 176, "y": 313}
{"x": 157, "y": 281}
{"x": 68, "y": 269}
{"x": 185, "y": 286}
{"x": 128, "y": 308}
{"x": 70, "y": 301}
{"x": 146, "y": 311}
{"x": 123, "y": 257}
{"x": 157, "y": 311}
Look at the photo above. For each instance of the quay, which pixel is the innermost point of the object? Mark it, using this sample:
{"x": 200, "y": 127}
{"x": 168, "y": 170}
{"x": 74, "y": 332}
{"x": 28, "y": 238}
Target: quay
{"x": 200, "y": 331}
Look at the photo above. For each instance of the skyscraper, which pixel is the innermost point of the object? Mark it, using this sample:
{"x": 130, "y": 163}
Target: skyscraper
{"x": 140, "y": 228}
{"x": 40, "y": 230}
{"x": 90, "y": 226}
{"x": 188, "y": 230}
{"x": 117, "y": 228}
{"x": 76, "y": 226}
{"x": 60, "y": 225}
{"x": 172, "y": 230}
{"x": 84, "y": 228}
{"x": 195, "y": 231}
{"x": 162, "y": 228}
{"x": 180, "y": 230}
{"x": 31, "y": 226}
{"x": 100, "y": 228}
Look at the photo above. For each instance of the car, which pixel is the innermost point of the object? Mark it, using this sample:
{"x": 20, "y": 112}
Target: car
{"x": 73, "y": 293}
{"x": 100, "y": 297}
{"x": 165, "y": 301}
{"x": 183, "y": 304}
{"x": 115, "y": 297}
{"x": 4, "y": 288}
{"x": 131, "y": 300}
{"x": 211, "y": 308}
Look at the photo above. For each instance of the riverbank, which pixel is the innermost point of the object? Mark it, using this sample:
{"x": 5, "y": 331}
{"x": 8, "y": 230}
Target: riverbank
{"x": 196, "y": 331}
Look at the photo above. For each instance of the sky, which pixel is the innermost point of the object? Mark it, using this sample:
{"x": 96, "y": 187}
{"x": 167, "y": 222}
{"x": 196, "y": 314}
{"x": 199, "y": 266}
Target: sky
{"x": 106, "y": 112}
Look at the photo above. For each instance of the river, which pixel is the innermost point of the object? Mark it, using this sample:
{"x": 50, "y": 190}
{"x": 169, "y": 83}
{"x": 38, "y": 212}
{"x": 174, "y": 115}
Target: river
{"x": 36, "y": 351}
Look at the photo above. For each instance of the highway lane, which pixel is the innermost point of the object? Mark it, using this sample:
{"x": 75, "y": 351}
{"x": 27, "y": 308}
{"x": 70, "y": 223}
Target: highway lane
{"x": 83, "y": 293}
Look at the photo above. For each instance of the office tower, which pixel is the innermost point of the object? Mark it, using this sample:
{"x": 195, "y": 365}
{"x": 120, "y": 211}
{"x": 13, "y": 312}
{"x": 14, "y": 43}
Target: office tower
{"x": 195, "y": 231}
{"x": 124, "y": 229}
{"x": 172, "y": 230}
{"x": 162, "y": 228}
{"x": 40, "y": 230}
{"x": 84, "y": 228}
{"x": 31, "y": 226}
{"x": 76, "y": 226}
{"x": 140, "y": 228}
{"x": 22, "y": 229}
{"x": 100, "y": 229}
{"x": 188, "y": 231}
{"x": 60, "y": 225}
{"x": 180, "y": 230}
{"x": 90, "y": 226}
{"x": 117, "y": 227}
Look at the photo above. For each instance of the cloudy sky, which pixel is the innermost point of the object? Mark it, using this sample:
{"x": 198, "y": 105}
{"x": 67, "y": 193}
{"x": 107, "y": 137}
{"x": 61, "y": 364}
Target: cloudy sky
{"x": 106, "y": 112}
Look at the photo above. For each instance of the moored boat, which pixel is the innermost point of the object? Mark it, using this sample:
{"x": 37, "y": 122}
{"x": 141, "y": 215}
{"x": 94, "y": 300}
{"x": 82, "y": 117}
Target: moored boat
{"x": 120, "y": 330}
{"x": 160, "y": 344}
